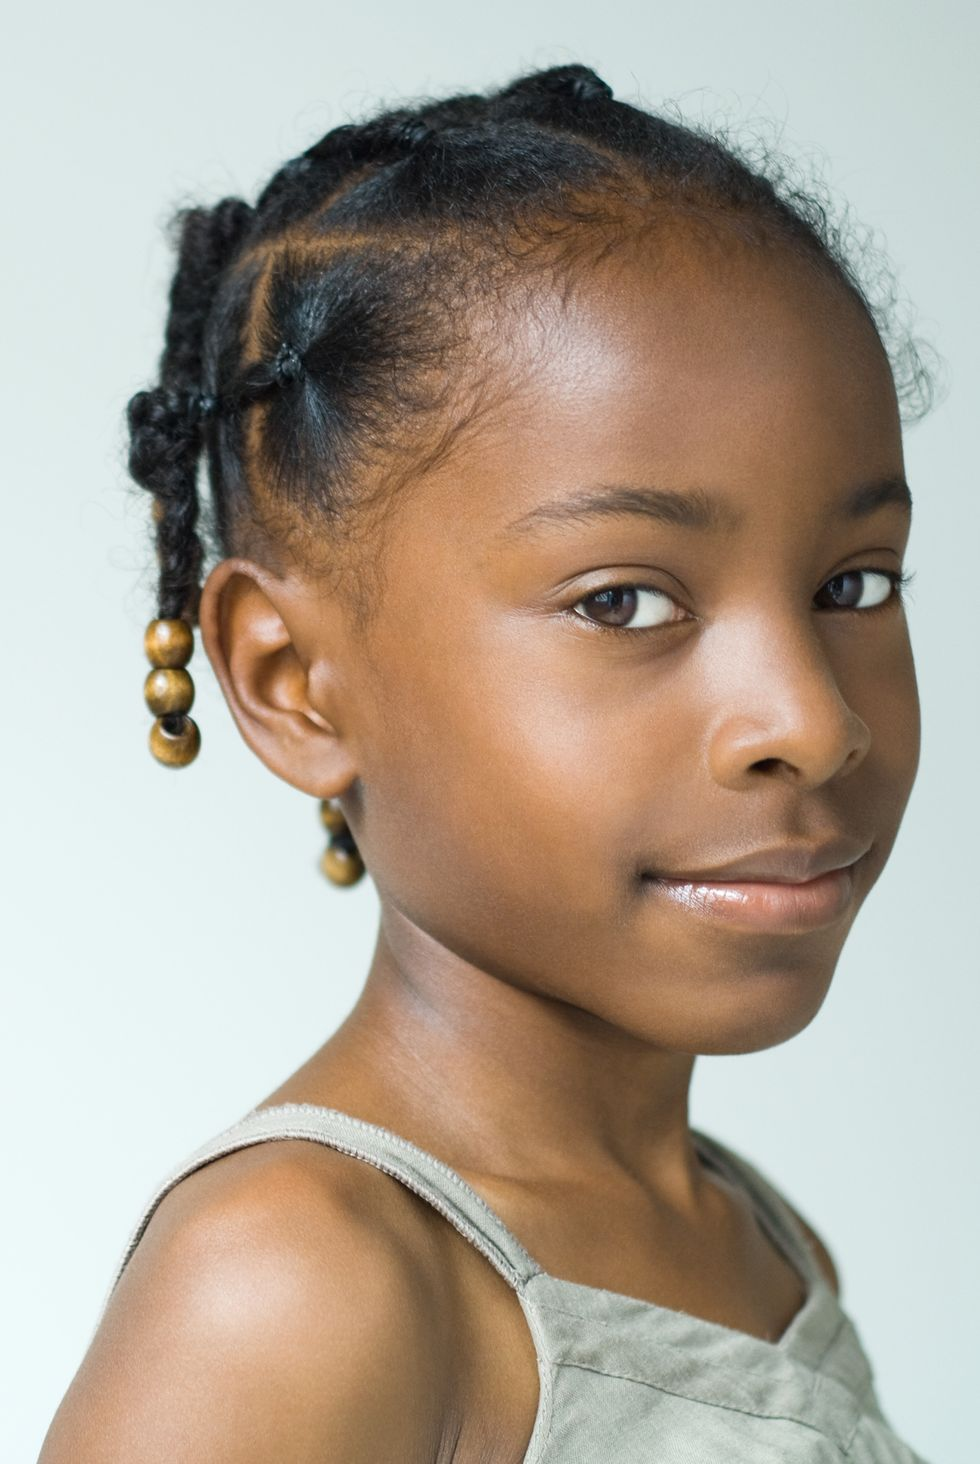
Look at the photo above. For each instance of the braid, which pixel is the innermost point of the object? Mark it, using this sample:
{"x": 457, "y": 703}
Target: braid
{"x": 305, "y": 182}
{"x": 166, "y": 423}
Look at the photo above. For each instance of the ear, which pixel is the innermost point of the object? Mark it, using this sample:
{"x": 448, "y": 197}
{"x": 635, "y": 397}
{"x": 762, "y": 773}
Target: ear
{"x": 274, "y": 658}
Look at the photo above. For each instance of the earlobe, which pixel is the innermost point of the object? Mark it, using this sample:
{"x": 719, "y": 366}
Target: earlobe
{"x": 244, "y": 616}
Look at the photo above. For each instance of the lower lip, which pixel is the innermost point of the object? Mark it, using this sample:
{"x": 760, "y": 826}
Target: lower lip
{"x": 758, "y": 905}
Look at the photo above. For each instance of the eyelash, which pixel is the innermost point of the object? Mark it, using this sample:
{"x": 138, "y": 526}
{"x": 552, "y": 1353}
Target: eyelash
{"x": 900, "y": 581}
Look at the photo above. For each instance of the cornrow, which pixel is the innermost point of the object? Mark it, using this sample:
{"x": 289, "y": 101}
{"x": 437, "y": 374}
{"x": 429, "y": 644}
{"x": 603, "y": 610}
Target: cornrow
{"x": 305, "y": 181}
{"x": 313, "y": 338}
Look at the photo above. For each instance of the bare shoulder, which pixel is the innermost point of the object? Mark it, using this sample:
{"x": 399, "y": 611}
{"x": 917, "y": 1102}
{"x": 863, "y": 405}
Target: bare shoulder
{"x": 286, "y": 1302}
{"x": 820, "y": 1250}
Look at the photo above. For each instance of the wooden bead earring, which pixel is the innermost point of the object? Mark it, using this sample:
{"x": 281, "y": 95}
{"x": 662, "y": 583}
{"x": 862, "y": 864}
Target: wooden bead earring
{"x": 169, "y": 692}
{"x": 340, "y": 861}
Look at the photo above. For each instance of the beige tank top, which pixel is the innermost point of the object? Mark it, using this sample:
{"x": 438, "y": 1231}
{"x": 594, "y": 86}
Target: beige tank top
{"x": 621, "y": 1380}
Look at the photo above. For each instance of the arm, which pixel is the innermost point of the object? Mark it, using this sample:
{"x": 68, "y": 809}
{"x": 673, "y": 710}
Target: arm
{"x": 262, "y": 1321}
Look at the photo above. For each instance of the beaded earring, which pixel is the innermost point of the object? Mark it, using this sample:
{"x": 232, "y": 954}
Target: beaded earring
{"x": 340, "y": 861}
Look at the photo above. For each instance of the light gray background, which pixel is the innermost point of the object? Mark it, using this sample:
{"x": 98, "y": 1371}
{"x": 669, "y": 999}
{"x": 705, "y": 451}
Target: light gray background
{"x": 171, "y": 950}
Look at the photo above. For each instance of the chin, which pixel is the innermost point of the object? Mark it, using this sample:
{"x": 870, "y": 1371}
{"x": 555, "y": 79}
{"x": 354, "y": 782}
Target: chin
{"x": 761, "y": 1013}
{"x": 725, "y": 1002}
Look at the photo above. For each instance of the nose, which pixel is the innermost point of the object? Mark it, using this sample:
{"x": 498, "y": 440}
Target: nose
{"x": 780, "y": 711}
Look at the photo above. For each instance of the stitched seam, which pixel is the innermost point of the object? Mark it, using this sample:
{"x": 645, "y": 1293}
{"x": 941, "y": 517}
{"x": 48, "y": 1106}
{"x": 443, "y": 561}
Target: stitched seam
{"x": 729, "y": 1372}
{"x": 707, "y": 1402}
{"x": 862, "y": 1414}
{"x": 496, "y": 1258}
{"x": 546, "y": 1410}
{"x": 258, "y": 1114}
{"x": 818, "y": 1378}
{"x": 236, "y": 1136}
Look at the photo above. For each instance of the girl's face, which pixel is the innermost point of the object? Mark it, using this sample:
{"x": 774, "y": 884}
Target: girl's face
{"x": 562, "y": 702}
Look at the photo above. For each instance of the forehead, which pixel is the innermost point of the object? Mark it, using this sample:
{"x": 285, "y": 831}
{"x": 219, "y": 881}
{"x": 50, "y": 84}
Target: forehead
{"x": 699, "y": 363}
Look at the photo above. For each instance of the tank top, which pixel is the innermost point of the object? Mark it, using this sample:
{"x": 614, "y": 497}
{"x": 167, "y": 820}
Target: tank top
{"x": 623, "y": 1380}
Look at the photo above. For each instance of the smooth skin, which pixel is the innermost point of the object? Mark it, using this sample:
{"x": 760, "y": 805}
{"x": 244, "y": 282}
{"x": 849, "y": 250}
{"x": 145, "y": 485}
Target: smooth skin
{"x": 512, "y": 757}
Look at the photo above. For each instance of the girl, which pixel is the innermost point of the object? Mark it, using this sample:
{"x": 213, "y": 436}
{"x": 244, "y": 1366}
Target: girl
{"x": 557, "y": 484}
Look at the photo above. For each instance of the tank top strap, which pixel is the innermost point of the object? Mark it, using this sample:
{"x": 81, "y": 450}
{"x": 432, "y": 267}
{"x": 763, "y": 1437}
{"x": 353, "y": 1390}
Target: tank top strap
{"x": 420, "y": 1171}
{"x": 772, "y": 1209}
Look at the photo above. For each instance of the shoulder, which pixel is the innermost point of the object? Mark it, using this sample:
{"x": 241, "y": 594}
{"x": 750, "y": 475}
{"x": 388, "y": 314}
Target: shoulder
{"x": 284, "y": 1301}
{"x": 824, "y": 1258}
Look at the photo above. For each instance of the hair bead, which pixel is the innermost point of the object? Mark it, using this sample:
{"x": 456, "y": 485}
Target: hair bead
{"x": 168, "y": 691}
{"x": 175, "y": 741}
{"x": 168, "y": 642}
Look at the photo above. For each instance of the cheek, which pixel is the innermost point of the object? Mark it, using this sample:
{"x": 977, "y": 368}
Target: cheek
{"x": 512, "y": 763}
{"x": 882, "y": 689}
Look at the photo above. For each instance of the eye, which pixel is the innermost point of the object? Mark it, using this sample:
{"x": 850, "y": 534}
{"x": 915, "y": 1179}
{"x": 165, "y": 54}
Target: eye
{"x": 644, "y": 607}
{"x": 620, "y": 604}
{"x": 864, "y": 589}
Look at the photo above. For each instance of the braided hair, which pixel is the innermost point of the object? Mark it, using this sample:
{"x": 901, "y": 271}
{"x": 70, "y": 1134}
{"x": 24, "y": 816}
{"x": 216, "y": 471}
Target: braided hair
{"x": 312, "y": 337}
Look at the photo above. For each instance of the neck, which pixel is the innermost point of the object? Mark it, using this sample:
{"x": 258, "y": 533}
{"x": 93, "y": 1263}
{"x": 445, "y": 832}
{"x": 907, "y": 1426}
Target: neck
{"x": 498, "y": 1079}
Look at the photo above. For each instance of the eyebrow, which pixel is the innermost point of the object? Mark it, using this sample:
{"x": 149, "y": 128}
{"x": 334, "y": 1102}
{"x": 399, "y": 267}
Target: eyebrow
{"x": 694, "y": 509}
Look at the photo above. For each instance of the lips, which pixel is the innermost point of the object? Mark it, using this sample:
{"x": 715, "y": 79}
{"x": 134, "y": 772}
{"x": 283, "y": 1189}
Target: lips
{"x": 789, "y": 888}
{"x": 777, "y": 907}
{"x": 779, "y": 864}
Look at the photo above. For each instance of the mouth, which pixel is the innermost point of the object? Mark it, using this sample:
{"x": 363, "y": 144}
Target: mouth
{"x": 775, "y": 904}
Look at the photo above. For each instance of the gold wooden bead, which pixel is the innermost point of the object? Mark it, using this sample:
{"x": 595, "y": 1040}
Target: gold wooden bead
{"x": 341, "y": 865}
{"x": 168, "y": 643}
{"x": 168, "y": 691}
{"x": 175, "y": 748}
{"x": 332, "y": 817}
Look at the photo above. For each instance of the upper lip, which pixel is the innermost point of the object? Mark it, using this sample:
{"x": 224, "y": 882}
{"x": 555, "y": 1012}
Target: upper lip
{"x": 782, "y": 864}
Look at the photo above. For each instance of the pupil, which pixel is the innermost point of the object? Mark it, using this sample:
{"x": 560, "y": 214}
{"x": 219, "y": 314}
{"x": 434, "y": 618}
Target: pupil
{"x": 620, "y": 600}
{"x": 840, "y": 589}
